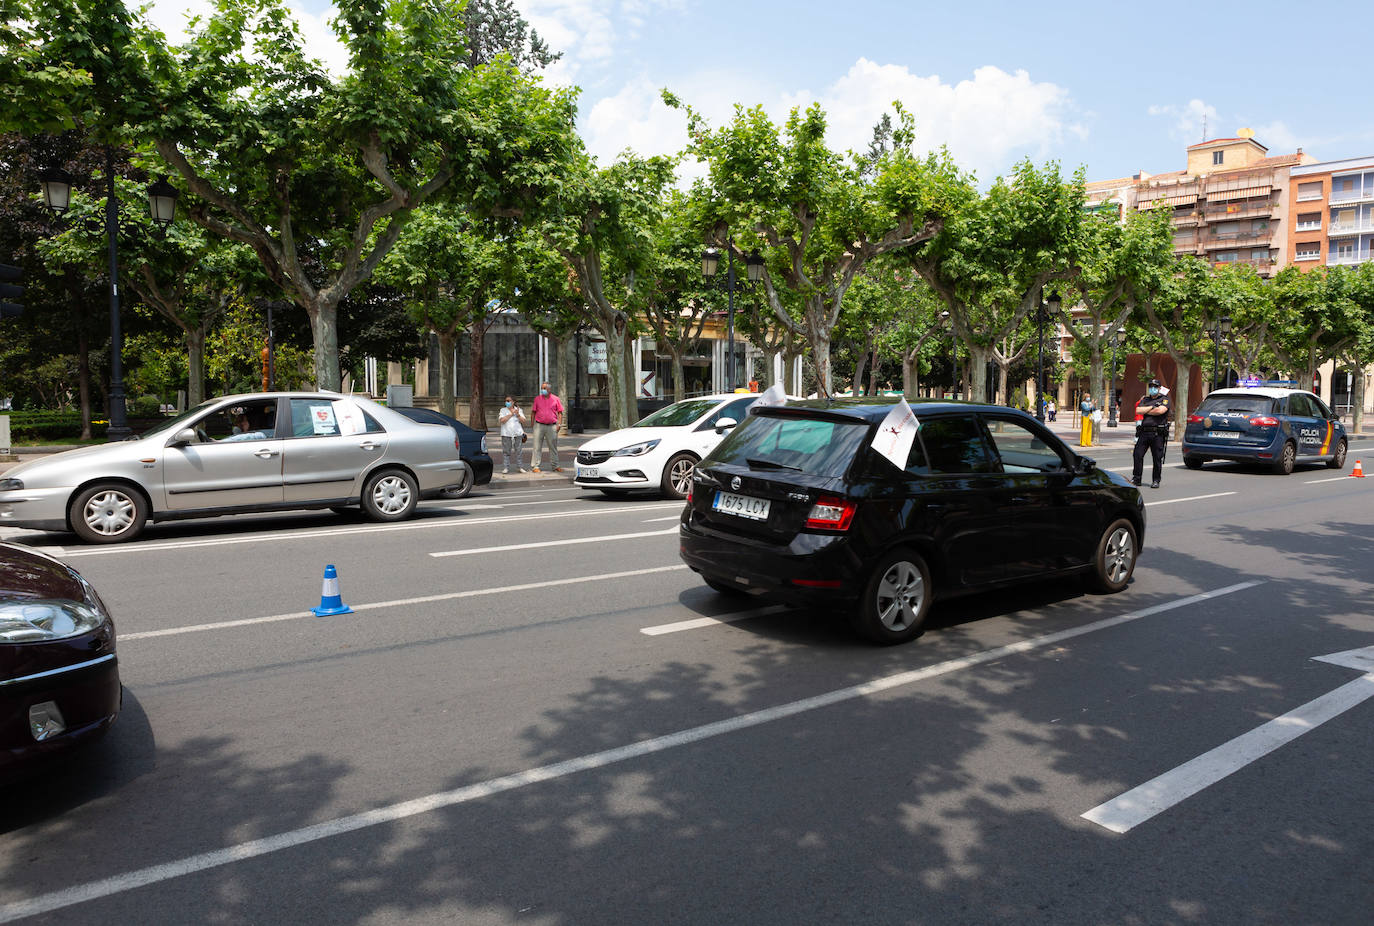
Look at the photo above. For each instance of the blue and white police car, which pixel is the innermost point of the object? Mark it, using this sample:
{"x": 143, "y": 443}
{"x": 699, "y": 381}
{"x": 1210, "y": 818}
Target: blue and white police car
{"x": 1270, "y": 425}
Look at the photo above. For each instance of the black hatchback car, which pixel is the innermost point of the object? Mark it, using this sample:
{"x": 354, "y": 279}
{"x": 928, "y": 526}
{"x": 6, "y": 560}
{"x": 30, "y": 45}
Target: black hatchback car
{"x": 470, "y": 443}
{"x": 798, "y": 505}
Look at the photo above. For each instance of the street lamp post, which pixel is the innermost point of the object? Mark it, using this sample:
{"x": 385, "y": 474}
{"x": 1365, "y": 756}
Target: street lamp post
{"x": 710, "y": 262}
{"x": 1223, "y": 329}
{"x": 953, "y": 351}
{"x": 162, "y": 197}
{"x": 1041, "y": 317}
{"x": 576, "y": 426}
{"x": 1111, "y": 413}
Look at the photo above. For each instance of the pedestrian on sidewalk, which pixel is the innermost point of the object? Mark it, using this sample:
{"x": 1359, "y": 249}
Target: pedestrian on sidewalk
{"x": 1086, "y": 408}
{"x": 547, "y": 410}
{"x": 1151, "y": 433}
{"x": 512, "y": 435}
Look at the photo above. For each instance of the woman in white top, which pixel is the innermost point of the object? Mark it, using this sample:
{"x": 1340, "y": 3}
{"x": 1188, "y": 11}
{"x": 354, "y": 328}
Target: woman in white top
{"x": 512, "y": 435}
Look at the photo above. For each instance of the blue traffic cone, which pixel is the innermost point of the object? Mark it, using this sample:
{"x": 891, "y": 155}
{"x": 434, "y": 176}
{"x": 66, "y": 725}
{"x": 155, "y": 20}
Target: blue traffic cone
{"x": 331, "y": 602}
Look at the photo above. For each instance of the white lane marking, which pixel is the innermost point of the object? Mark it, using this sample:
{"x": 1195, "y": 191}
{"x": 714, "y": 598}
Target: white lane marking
{"x": 1191, "y": 498}
{"x": 1312, "y": 482}
{"x": 359, "y": 531}
{"x": 93, "y": 890}
{"x": 492, "y": 506}
{"x": 399, "y": 602}
{"x": 554, "y": 543}
{"x": 1177, "y": 785}
{"x": 697, "y": 622}
{"x": 676, "y": 517}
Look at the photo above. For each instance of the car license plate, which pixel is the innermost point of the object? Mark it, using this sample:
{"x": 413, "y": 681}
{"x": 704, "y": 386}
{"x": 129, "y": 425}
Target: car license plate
{"x": 586, "y": 472}
{"x": 1223, "y": 435}
{"x": 756, "y": 509}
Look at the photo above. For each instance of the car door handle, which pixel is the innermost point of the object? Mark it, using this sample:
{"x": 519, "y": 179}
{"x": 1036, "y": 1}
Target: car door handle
{"x": 266, "y": 453}
{"x": 368, "y": 445}
{"x": 1020, "y": 499}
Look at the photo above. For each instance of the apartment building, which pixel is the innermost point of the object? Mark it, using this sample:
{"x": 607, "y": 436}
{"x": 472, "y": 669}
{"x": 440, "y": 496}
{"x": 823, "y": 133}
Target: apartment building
{"x": 1332, "y": 220}
{"x": 1229, "y": 204}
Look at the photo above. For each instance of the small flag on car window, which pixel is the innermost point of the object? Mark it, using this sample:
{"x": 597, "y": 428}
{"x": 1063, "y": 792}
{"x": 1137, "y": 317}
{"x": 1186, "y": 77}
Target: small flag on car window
{"x": 896, "y": 433}
{"x": 773, "y": 395}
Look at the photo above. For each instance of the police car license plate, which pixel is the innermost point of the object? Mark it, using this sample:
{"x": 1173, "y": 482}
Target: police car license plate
{"x": 1223, "y": 435}
{"x": 755, "y": 509}
{"x": 586, "y": 472}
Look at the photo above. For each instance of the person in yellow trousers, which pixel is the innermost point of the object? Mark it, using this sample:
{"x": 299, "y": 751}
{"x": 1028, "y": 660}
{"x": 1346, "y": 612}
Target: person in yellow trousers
{"x": 1086, "y": 408}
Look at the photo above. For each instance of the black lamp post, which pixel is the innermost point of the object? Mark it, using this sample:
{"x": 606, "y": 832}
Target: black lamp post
{"x": 1041, "y": 317}
{"x": 1111, "y": 414}
{"x": 576, "y": 425}
{"x": 953, "y": 355}
{"x": 1223, "y": 329}
{"x": 710, "y": 262}
{"x": 162, "y": 198}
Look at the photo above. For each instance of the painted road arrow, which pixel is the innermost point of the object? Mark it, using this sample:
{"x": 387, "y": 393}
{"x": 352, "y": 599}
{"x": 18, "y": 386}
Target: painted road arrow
{"x": 1159, "y": 794}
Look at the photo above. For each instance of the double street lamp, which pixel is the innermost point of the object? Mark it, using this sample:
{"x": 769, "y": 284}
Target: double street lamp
{"x": 1223, "y": 329}
{"x": 1111, "y": 413}
{"x": 162, "y": 201}
{"x": 710, "y": 262}
{"x": 1050, "y": 301}
{"x": 953, "y": 354}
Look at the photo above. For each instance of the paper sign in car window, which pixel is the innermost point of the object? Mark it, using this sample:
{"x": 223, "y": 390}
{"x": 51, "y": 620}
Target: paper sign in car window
{"x": 349, "y": 417}
{"x": 322, "y": 419}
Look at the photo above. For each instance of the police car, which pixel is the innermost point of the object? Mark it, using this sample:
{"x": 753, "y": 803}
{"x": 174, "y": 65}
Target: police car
{"x": 1270, "y": 425}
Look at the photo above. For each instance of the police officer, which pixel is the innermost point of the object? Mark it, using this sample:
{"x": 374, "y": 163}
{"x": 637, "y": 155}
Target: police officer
{"x": 1151, "y": 432}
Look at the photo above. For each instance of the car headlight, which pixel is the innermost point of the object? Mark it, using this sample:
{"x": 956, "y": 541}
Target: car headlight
{"x": 637, "y": 450}
{"x": 38, "y": 621}
{"x": 7, "y": 484}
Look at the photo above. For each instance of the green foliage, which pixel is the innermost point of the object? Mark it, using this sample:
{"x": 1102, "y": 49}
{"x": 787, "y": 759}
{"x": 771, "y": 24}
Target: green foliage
{"x": 30, "y": 426}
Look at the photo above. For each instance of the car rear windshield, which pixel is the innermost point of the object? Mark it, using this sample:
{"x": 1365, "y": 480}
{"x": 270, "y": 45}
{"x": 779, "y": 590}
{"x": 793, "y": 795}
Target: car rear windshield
{"x": 678, "y": 414}
{"x": 1236, "y": 405}
{"x": 809, "y": 445}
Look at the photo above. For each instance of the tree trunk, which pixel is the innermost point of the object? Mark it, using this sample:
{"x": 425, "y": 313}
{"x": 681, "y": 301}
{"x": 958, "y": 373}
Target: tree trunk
{"x": 1003, "y": 370}
{"x": 324, "y": 331}
{"x": 1180, "y": 396}
{"x": 631, "y": 379}
{"x": 679, "y": 387}
{"x": 83, "y": 381}
{"x": 911, "y": 371}
{"x": 859, "y": 367}
{"x": 1096, "y": 373}
{"x": 615, "y": 381}
{"x": 978, "y": 360}
{"x": 195, "y": 366}
{"x": 820, "y": 355}
{"x": 448, "y": 339}
{"x": 1357, "y": 400}
{"x": 559, "y": 348}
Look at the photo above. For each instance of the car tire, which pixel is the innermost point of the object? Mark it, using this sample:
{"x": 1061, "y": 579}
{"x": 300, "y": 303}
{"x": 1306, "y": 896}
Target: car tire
{"x": 725, "y": 588}
{"x": 390, "y": 495}
{"x": 1283, "y": 466}
{"x": 677, "y": 475}
{"x": 108, "y": 512}
{"x": 1115, "y": 557}
{"x": 1193, "y": 462}
{"x": 1337, "y": 460}
{"x": 462, "y": 489}
{"x": 896, "y": 599}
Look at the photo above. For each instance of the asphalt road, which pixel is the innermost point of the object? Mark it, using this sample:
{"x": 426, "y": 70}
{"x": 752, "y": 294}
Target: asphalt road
{"x": 493, "y": 737}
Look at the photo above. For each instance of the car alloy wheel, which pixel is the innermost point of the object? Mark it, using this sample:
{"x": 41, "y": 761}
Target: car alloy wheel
{"x": 677, "y": 475}
{"x": 1284, "y": 464}
{"x": 390, "y": 496}
{"x": 108, "y": 513}
{"x": 896, "y": 599}
{"x": 1338, "y": 461}
{"x": 1115, "y": 559}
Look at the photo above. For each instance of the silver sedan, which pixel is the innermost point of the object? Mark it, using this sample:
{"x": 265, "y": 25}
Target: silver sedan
{"x": 258, "y": 452}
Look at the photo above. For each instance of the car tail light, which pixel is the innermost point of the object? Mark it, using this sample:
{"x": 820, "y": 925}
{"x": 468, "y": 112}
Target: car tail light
{"x": 689, "y": 490}
{"x": 456, "y": 445}
{"x": 1264, "y": 421}
{"x": 1194, "y": 419}
{"x": 831, "y": 514}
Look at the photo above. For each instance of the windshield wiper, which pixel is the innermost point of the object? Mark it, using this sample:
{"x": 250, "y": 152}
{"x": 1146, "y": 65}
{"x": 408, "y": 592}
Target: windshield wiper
{"x": 769, "y": 464}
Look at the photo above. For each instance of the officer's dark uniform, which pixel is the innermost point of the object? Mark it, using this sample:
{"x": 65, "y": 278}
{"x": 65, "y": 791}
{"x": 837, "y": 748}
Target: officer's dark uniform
{"x": 1151, "y": 433}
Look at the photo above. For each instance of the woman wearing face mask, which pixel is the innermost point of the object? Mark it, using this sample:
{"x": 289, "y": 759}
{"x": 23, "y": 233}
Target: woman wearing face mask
{"x": 1151, "y": 433}
{"x": 512, "y": 435}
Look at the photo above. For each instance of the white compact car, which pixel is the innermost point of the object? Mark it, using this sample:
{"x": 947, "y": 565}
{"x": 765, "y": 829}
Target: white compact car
{"x": 660, "y": 452}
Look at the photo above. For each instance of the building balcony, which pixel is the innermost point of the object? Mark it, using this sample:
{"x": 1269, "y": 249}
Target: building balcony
{"x": 1356, "y": 256}
{"x": 1351, "y": 228}
{"x": 1353, "y": 196}
{"x": 1238, "y": 210}
{"x": 1248, "y": 239}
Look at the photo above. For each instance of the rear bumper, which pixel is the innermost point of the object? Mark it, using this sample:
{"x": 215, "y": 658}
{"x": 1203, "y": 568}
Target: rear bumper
{"x": 812, "y": 569}
{"x": 1230, "y": 450}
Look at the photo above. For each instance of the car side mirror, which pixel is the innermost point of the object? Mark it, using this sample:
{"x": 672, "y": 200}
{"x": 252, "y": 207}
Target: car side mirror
{"x": 183, "y": 437}
{"x": 724, "y": 424}
{"x": 1084, "y": 465}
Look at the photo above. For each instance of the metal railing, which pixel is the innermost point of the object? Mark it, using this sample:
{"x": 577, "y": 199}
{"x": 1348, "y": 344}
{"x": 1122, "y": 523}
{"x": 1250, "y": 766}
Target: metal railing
{"x": 1358, "y": 256}
{"x": 1348, "y": 228}
{"x": 1350, "y": 196}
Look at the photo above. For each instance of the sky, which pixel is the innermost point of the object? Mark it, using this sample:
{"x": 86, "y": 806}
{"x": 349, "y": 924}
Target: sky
{"x": 1114, "y": 88}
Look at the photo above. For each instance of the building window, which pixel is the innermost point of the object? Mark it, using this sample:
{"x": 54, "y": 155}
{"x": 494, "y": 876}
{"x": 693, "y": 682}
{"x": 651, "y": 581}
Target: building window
{"x": 1259, "y": 257}
{"x": 1217, "y": 156}
{"x": 1225, "y": 257}
{"x": 1308, "y": 191}
{"x": 1308, "y": 250}
{"x": 1309, "y": 221}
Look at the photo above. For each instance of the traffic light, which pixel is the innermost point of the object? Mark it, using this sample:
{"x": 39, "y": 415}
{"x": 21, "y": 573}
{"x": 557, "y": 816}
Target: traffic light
{"x": 9, "y": 276}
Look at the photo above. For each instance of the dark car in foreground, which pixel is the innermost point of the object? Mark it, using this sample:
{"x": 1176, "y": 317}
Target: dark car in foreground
{"x": 797, "y": 505}
{"x": 470, "y": 443}
{"x": 1275, "y": 427}
{"x": 59, "y": 678}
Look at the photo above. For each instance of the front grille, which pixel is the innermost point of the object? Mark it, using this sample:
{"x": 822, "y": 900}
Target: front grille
{"x": 592, "y": 457}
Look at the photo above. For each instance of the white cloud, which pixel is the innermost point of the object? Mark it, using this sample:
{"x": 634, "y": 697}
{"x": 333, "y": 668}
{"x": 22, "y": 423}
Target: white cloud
{"x": 1189, "y": 121}
{"x": 588, "y": 32}
{"x": 319, "y": 40}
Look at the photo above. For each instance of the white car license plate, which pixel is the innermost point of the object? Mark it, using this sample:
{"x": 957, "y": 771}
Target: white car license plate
{"x": 756, "y": 509}
{"x": 1223, "y": 435}
{"x": 586, "y": 472}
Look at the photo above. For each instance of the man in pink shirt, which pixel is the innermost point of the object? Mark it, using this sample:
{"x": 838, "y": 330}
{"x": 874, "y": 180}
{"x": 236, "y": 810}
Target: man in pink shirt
{"x": 547, "y": 410}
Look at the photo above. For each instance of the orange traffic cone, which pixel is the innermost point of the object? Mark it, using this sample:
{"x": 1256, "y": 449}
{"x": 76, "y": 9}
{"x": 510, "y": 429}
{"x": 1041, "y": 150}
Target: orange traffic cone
{"x": 1358, "y": 470}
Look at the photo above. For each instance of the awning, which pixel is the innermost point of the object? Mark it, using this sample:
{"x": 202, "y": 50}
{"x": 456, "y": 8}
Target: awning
{"x": 1224, "y": 195}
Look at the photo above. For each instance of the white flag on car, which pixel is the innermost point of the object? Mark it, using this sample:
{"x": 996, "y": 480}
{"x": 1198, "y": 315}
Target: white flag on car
{"x": 773, "y": 395}
{"x": 896, "y": 433}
